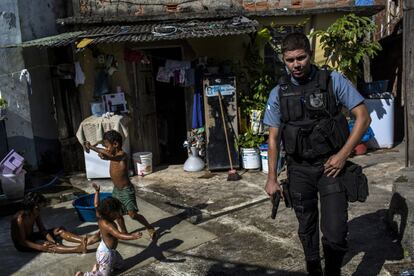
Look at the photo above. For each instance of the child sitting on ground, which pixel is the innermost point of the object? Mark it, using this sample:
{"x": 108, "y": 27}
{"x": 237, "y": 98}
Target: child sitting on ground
{"x": 123, "y": 189}
{"x": 27, "y": 240}
{"x": 107, "y": 257}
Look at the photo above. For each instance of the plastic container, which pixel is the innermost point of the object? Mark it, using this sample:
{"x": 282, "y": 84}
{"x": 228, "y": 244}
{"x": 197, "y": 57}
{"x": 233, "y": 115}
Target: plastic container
{"x": 265, "y": 163}
{"x": 142, "y": 163}
{"x": 265, "y": 159}
{"x": 97, "y": 109}
{"x": 84, "y": 206}
{"x": 382, "y": 124}
{"x": 13, "y": 184}
{"x": 250, "y": 158}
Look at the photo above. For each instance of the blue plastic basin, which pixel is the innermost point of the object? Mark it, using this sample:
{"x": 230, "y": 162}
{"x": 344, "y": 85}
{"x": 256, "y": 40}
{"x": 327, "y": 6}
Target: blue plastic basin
{"x": 84, "y": 206}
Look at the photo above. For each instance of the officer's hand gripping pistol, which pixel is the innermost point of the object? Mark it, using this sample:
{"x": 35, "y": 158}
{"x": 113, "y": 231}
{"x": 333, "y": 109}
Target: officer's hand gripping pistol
{"x": 276, "y": 198}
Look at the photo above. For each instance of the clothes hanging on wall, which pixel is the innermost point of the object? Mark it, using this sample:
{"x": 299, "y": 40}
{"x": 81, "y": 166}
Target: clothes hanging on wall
{"x": 79, "y": 75}
{"x": 179, "y": 71}
{"x": 197, "y": 118}
{"x": 177, "y": 64}
{"x": 101, "y": 83}
{"x": 24, "y": 74}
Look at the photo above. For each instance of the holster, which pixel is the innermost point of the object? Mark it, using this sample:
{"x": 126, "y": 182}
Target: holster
{"x": 286, "y": 193}
{"x": 355, "y": 182}
{"x": 351, "y": 180}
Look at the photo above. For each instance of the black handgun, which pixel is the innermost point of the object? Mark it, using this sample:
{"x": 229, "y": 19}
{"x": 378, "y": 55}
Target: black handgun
{"x": 275, "y": 201}
{"x": 276, "y": 198}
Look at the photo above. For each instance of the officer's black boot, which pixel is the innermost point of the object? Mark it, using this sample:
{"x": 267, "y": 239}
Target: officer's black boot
{"x": 314, "y": 268}
{"x": 333, "y": 261}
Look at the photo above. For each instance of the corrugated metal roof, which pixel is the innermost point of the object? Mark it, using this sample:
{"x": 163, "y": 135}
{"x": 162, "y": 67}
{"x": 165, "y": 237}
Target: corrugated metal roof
{"x": 150, "y": 32}
{"x": 56, "y": 40}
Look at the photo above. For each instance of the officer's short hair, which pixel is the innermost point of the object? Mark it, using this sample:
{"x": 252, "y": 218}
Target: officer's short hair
{"x": 296, "y": 41}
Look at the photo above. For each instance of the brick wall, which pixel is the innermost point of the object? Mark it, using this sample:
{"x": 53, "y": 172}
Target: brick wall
{"x": 147, "y": 7}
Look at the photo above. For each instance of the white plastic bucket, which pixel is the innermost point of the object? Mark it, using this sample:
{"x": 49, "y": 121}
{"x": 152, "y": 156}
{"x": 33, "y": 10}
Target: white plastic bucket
{"x": 13, "y": 185}
{"x": 264, "y": 158}
{"x": 142, "y": 163}
{"x": 250, "y": 158}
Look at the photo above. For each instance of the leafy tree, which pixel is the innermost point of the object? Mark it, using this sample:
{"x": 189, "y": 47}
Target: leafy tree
{"x": 346, "y": 43}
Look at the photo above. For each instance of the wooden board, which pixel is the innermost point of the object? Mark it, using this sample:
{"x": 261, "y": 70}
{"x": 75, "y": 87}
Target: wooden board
{"x": 217, "y": 157}
{"x": 408, "y": 78}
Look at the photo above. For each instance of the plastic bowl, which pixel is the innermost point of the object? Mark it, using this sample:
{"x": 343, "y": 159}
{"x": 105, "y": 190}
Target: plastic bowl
{"x": 84, "y": 206}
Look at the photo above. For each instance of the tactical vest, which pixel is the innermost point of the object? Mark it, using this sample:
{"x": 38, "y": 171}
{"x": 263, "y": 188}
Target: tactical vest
{"x": 313, "y": 126}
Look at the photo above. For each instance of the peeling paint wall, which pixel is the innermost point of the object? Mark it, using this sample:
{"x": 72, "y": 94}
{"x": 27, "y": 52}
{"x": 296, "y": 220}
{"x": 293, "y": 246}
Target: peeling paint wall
{"x": 30, "y": 125}
{"x": 18, "y": 124}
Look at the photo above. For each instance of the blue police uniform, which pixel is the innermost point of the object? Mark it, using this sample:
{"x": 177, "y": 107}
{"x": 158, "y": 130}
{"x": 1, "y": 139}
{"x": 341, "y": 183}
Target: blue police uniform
{"x": 307, "y": 179}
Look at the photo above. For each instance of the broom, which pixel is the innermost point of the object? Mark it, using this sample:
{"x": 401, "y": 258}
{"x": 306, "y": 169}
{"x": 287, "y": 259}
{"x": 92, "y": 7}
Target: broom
{"x": 232, "y": 174}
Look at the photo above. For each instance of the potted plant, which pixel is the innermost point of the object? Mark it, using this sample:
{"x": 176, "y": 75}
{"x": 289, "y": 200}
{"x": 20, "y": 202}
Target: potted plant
{"x": 3, "y": 108}
{"x": 249, "y": 143}
{"x": 254, "y": 103}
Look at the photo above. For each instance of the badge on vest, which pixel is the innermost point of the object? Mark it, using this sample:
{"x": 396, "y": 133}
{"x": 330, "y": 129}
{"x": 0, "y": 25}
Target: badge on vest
{"x": 316, "y": 100}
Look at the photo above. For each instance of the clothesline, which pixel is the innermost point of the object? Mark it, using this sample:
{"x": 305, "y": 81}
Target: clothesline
{"x": 31, "y": 68}
{"x": 64, "y": 64}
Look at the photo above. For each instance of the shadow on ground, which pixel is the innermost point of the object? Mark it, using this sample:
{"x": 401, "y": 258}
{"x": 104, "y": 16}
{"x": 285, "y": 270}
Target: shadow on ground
{"x": 370, "y": 236}
{"x": 12, "y": 260}
{"x": 224, "y": 269}
{"x": 164, "y": 227}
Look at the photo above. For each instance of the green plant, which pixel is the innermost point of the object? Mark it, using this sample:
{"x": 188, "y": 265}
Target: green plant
{"x": 3, "y": 103}
{"x": 258, "y": 94}
{"x": 346, "y": 42}
{"x": 249, "y": 140}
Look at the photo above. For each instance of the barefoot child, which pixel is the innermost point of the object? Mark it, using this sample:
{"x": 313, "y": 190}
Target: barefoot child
{"x": 118, "y": 170}
{"x": 27, "y": 240}
{"x": 107, "y": 258}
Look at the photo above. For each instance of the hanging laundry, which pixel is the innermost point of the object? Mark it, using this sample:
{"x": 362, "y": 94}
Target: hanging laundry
{"x": 164, "y": 75}
{"x": 133, "y": 55}
{"x": 24, "y": 74}
{"x": 79, "y": 75}
{"x": 177, "y": 64}
{"x": 197, "y": 118}
{"x": 101, "y": 83}
{"x": 189, "y": 77}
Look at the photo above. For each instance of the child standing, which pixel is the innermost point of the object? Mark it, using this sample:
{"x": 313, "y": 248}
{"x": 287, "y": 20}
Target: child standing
{"x": 107, "y": 257}
{"x": 118, "y": 170}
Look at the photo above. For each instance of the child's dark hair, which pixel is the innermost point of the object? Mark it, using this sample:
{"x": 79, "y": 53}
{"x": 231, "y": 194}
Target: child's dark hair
{"x": 296, "y": 41}
{"x": 32, "y": 200}
{"x": 113, "y": 136}
{"x": 108, "y": 206}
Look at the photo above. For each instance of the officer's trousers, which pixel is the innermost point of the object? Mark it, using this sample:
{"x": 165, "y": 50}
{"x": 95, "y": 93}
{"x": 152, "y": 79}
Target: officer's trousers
{"x": 305, "y": 182}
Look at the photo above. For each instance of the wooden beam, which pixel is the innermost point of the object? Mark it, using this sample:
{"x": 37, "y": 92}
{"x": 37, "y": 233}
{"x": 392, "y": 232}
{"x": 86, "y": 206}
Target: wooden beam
{"x": 408, "y": 78}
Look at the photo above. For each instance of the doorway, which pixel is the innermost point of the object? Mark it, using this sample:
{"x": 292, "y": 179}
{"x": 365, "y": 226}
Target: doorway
{"x": 171, "y": 112}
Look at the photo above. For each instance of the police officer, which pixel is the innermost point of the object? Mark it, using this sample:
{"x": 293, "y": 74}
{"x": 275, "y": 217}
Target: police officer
{"x": 305, "y": 110}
